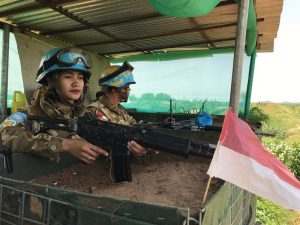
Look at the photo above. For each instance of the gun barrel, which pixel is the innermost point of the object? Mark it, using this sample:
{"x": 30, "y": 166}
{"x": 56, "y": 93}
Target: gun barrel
{"x": 268, "y": 134}
{"x": 164, "y": 142}
{"x": 202, "y": 149}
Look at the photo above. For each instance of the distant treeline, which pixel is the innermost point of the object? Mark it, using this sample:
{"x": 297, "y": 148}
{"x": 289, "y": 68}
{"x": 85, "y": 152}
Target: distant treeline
{"x": 150, "y": 102}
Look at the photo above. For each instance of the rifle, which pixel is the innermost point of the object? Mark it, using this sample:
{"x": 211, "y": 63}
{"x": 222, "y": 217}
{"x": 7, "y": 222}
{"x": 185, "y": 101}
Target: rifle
{"x": 103, "y": 133}
{"x": 7, "y": 154}
{"x": 190, "y": 125}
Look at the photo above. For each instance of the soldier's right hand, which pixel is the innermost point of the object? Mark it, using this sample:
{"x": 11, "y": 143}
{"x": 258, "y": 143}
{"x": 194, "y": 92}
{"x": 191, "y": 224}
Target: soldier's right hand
{"x": 82, "y": 150}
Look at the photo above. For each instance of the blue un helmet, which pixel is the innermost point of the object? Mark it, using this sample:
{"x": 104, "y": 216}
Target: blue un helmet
{"x": 117, "y": 76}
{"x": 64, "y": 59}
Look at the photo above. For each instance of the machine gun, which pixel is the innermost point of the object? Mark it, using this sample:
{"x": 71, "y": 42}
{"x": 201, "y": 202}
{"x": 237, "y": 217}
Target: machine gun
{"x": 103, "y": 134}
{"x": 7, "y": 154}
{"x": 190, "y": 125}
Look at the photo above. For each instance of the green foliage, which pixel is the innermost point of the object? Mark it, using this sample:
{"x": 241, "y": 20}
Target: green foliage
{"x": 284, "y": 119}
{"x": 256, "y": 115}
{"x": 288, "y": 154}
{"x": 268, "y": 213}
{"x": 272, "y": 126}
{"x": 279, "y": 120}
{"x": 294, "y": 164}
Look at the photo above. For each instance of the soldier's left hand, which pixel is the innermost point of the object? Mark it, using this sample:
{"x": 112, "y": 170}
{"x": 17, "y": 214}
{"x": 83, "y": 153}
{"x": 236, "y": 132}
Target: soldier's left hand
{"x": 137, "y": 149}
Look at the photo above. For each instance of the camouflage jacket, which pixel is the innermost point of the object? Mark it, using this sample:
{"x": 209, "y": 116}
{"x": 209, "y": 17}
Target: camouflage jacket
{"x": 105, "y": 110}
{"x": 47, "y": 144}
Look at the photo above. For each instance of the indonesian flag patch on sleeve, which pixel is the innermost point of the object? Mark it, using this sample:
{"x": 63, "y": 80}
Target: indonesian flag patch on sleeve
{"x": 101, "y": 116}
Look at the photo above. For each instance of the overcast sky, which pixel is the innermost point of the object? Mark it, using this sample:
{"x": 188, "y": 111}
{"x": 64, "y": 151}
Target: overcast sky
{"x": 277, "y": 74}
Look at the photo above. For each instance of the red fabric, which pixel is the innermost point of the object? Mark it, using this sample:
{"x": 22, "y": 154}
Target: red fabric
{"x": 238, "y": 136}
{"x": 100, "y": 114}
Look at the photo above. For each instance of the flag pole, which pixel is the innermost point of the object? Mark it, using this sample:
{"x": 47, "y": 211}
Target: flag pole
{"x": 206, "y": 191}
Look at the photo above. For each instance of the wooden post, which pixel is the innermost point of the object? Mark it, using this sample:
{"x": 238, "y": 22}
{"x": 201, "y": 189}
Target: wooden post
{"x": 237, "y": 66}
{"x": 4, "y": 70}
{"x": 238, "y": 55}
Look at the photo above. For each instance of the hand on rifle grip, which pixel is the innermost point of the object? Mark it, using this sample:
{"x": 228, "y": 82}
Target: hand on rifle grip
{"x": 136, "y": 149}
{"x": 82, "y": 150}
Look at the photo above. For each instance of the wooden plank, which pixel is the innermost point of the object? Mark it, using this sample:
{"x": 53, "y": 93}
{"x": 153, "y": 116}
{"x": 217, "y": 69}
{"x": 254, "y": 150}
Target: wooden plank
{"x": 275, "y": 11}
{"x": 269, "y": 12}
{"x": 266, "y": 26}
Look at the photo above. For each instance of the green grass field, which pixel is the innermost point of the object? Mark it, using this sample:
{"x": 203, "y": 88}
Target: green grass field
{"x": 285, "y": 120}
{"x": 285, "y": 117}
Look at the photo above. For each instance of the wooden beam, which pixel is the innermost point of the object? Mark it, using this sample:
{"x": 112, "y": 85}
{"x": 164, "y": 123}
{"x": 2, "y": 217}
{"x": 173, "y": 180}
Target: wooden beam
{"x": 202, "y": 33}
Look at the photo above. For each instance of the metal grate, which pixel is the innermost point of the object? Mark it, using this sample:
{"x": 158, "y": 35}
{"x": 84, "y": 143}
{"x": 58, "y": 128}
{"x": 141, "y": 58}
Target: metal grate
{"x": 21, "y": 207}
{"x": 230, "y": 206}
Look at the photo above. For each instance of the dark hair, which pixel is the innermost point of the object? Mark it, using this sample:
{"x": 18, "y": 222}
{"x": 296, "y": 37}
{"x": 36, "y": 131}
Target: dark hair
{"x": 99, "y": 94}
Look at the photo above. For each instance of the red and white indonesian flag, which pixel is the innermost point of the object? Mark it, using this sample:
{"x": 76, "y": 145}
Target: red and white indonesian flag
{"x": 242, "y": 160}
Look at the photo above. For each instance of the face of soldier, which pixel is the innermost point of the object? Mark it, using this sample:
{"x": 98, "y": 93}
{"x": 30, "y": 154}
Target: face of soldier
{"x": 70, "y": 85}
{"x": 124, "y": 93}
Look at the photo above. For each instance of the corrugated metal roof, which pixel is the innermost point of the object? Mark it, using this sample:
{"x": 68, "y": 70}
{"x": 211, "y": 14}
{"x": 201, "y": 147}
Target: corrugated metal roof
{"x": 110, "y": 27}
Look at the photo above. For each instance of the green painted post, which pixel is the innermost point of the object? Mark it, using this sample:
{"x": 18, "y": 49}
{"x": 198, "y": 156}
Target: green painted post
{"x": 249, "y": 85}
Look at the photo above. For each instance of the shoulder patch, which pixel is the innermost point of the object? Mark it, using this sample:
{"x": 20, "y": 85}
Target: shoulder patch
{"x": 101, "y": 116}
{"x": 14, "y": 119}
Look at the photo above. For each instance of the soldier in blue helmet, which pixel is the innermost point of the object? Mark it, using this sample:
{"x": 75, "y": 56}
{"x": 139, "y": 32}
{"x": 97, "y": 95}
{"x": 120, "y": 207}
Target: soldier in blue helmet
{"x": 63, "y": 75}
{"x": 115, "y": 82}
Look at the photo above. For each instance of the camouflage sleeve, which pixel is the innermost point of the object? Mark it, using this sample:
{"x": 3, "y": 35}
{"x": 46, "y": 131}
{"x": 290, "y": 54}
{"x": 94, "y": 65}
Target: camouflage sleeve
{"x": 18, "y": 139}
{"x": 130, "y": 119}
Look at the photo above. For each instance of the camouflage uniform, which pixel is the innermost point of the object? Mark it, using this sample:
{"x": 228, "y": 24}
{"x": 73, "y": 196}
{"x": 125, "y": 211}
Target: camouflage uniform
{"x": 105, "y": 110}
{"x": 46, "y": 144}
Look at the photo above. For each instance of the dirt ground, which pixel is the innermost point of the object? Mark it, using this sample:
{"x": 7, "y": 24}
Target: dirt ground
{"x": 297, "y": 219}
{"x": 164, "y": 179}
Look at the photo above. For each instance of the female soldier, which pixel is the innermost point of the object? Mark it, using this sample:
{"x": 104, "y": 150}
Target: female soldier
{"x": 115, "y": 82}
{"x": 64, "y": 75}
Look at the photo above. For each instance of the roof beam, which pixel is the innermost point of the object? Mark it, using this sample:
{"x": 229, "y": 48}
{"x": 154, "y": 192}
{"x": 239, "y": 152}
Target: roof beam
{"x": 179, "y": 32}
{"x": 124, "y": 21}
{"x": 25, "y": 9}
{"x": 202, "y": 33}
{"x": 88, "y": 25}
